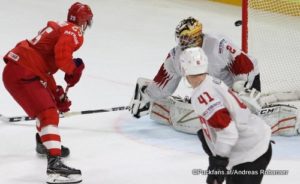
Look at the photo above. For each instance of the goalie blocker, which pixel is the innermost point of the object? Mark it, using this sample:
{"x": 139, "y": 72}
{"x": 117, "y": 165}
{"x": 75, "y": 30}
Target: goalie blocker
{"x": 276, "y": 110}
{"x": 140, "y": 102}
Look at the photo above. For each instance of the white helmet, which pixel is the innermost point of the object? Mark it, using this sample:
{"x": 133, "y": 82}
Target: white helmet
{"x": 193, "y": 61}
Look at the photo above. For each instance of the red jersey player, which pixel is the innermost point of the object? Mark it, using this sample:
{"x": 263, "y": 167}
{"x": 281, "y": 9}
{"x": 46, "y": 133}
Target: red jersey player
{"x": 28, "y": 76}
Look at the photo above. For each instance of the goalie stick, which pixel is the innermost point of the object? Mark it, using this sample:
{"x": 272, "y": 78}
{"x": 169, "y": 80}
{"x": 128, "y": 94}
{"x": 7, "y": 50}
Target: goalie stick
{"x": 63, "y": 115}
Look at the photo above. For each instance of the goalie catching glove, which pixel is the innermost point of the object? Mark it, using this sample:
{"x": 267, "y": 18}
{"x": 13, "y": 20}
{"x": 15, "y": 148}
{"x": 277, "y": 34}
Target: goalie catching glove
{"x": 240, "y": 86}
{"x": 140, "y": 103}
{"x": 250, "y": 97}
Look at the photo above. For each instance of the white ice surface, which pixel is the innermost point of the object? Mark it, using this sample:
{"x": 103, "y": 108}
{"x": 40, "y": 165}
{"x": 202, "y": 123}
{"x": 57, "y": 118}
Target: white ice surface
{"x": 129, "y": 39}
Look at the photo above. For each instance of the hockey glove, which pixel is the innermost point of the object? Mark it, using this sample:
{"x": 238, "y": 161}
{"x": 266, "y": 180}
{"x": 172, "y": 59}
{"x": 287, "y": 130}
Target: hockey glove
{"x": 217, "y": 169}
{"x": 240, "y": 86}
{"x": 251, "y": 97}
{"x": 139, "y": 106}
{"x": 72, "y": 79}
{"x": 62, "y": 102}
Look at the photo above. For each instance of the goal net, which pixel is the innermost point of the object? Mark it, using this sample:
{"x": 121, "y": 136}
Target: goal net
{"x": 271, "y": 33}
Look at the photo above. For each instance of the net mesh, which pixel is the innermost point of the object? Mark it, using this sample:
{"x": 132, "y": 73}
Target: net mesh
{"x": 274, "y": 39}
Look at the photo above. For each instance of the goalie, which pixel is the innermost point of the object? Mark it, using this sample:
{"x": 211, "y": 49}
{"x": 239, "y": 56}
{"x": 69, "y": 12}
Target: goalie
{"x": 226, "y": 62}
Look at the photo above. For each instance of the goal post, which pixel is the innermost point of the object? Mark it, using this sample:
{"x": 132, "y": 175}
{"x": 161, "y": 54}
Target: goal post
{"x": 271, "y": 33}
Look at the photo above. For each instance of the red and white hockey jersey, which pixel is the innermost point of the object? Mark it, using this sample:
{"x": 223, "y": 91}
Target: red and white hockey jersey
{"x": 225, "y": 61}
{"x": 50, "y": 50}
{"x": 230, "y": 129}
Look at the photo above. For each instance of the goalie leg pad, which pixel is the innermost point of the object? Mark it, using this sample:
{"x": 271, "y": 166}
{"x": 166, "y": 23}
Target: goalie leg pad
{"x": 184, "y": 118}
{"x": 288, "y": 96}
{"x": 177, "y": 112}
{"x": 160, "y": 111}
{"x": 281, "y": 118}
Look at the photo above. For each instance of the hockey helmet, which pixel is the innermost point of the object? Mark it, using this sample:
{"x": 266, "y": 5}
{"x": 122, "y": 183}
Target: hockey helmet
{"x": 188, "y": 33}
{"x": 193, "y": 61}
{"x": 81, "y": 15}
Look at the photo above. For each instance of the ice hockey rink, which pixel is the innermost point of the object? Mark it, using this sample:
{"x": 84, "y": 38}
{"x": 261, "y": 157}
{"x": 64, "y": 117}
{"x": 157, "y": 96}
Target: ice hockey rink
{"x": 128, "y": 39}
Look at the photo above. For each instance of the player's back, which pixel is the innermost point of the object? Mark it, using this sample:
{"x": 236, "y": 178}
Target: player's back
{"x": 214, "y": 47}
{"x": 248, "y": 134}
{"x": 44, "y": 43}
{"x": 55, "y": 44}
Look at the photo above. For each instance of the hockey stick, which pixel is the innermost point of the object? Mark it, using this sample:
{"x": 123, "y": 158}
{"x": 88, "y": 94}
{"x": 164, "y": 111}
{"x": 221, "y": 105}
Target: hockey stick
{"x": 27, "y": 118}
{"x": 66, "y": 91}
{"x": 63, "y": 115}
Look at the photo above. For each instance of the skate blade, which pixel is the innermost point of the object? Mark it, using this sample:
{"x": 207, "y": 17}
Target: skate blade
{"x": 39, "y": 155}
{"x": 57, "y": 178}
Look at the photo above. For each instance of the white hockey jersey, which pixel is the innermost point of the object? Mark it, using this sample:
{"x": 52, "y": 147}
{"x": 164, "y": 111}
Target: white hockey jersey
{"x": 225, "y": 61}
{"x": 230, "y": 129}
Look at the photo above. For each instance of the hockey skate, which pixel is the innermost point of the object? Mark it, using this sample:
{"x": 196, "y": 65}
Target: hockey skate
{"x": 58, "y": 172}
{"x": 42, "y": 150}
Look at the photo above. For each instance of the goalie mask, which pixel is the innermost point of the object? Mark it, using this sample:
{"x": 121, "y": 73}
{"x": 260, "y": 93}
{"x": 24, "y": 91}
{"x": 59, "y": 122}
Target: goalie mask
{"x": 188, "y": 33}
{"x": 193, "y": 61}
{"x": 81, "y": 15}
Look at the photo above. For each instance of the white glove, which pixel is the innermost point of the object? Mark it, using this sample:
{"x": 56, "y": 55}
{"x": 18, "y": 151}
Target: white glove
{"x": 140, "y": 103}
{"x": 240, "y": 86}
{"x": 250, "y": 98}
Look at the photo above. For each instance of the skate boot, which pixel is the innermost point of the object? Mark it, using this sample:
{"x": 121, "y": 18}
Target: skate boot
{"x": 58, "y": 172}
{"x": 42, "y": 150}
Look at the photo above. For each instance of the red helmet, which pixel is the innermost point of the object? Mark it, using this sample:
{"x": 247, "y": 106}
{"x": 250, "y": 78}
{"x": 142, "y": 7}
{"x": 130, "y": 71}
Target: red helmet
{"x": 81, "y": 15}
